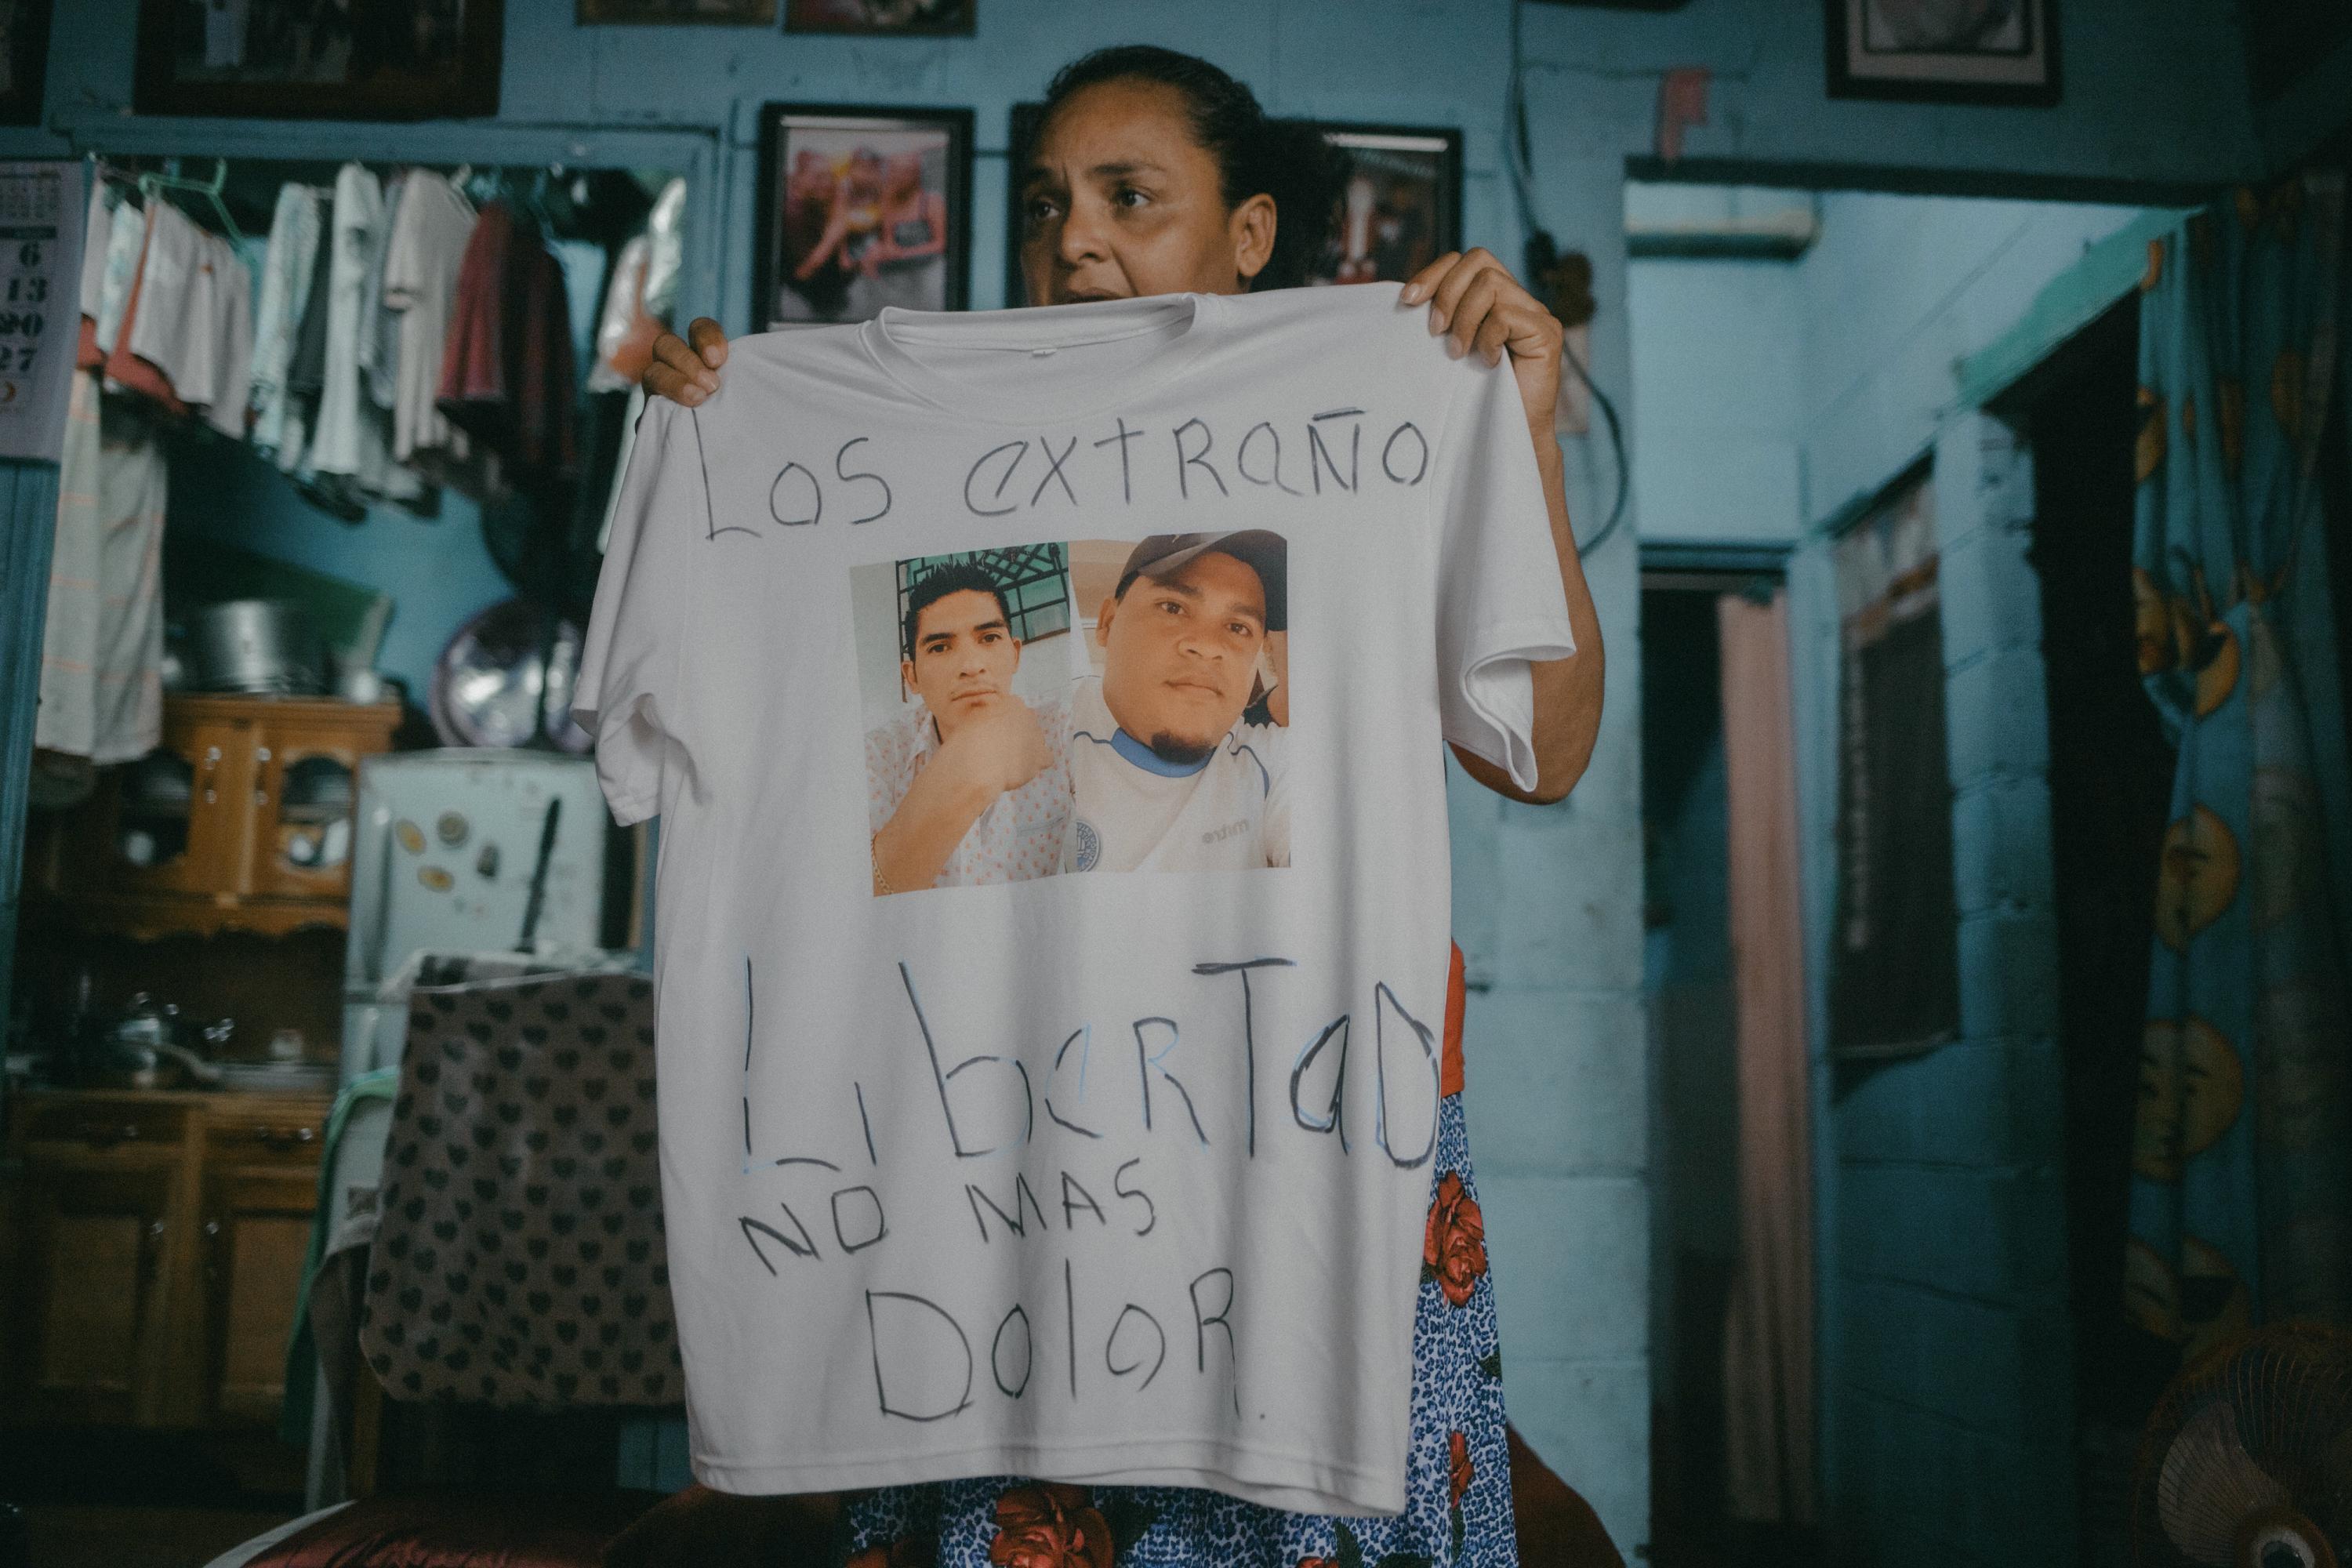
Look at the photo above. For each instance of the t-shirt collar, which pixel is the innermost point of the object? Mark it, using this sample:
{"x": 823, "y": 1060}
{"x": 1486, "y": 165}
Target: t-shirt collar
{"x": 1152, "y": 762}
{"x": 1051, "y": 389}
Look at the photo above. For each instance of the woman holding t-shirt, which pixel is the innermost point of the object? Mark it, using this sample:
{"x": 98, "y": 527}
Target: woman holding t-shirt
{"x": 1155, "y": 173}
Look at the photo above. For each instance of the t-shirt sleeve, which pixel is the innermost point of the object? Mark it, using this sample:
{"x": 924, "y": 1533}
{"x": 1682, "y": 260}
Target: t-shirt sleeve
{"x": 630, "y": 694}
{"x": 1500, "y": 606}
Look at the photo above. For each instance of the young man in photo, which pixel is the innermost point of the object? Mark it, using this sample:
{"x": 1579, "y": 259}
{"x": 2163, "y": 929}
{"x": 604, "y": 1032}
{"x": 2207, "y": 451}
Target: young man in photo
{"x": 1167, "y": 773}
{"x": 973, "y": 787}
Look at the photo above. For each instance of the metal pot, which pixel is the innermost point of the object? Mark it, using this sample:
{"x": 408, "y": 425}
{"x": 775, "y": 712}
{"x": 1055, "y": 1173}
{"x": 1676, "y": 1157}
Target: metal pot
{"x": 256, "y": 645}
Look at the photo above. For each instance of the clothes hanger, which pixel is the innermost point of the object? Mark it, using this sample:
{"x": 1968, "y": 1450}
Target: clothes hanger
{"x": 172, "y": 180}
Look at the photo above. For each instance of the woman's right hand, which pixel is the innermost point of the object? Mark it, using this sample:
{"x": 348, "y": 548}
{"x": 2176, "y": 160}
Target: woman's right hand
{"x": 686, "y": 370}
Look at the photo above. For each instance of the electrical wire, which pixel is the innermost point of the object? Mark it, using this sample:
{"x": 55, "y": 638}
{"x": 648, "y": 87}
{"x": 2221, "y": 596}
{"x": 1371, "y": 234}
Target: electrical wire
{"x": 1519, "y": 160}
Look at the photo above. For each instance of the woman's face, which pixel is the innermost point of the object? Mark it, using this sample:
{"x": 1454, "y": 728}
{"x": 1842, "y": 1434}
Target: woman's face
{"x": 1121, "y": 201}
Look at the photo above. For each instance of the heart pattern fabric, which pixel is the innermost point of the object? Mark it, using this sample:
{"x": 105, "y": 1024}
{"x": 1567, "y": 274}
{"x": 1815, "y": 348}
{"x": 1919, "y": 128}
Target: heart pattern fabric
{"x": 518, "y": 1258}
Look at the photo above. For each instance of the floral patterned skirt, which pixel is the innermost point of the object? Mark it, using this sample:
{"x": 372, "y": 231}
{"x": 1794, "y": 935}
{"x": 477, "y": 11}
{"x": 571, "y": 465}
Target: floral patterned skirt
{"x": 1457, "y": 1484}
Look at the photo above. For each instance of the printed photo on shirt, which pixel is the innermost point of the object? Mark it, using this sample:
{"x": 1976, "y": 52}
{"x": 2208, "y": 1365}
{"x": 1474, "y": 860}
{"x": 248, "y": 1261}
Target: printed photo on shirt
{"x": 1099, "y": 705}
{"x": 861, "y": 212}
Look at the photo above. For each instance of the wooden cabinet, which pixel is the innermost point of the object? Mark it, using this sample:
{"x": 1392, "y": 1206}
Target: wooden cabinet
{"x": 240, "y": 820}
{"x": 155, "y": 1254}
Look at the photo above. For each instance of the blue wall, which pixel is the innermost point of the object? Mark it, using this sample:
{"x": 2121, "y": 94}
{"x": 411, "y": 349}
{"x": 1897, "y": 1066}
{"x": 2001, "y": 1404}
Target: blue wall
{"x": 1548, "y": 900}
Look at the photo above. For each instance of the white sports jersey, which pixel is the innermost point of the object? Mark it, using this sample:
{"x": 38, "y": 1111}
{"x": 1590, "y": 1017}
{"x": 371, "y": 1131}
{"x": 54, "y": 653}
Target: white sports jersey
{"x": 1133, "y": 811}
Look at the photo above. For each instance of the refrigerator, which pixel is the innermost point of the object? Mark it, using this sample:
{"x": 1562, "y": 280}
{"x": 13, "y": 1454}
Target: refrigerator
{"x": 468, "y": 851}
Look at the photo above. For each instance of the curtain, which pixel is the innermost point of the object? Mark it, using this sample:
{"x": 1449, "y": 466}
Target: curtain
{"x": 2241, "y": 1208}
{"x": 1768, "y": 1332}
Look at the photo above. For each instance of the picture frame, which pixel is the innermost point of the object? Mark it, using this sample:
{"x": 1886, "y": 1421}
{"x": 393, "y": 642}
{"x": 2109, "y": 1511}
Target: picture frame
{"x": 24, "y": 58}
{"x": 883, "y": 18}
{"x": 382, "y": 60}
{"x": 1399, "y": 205}
{"x": 1915, "y": 51}
{"x": 674, "y": 13}
{"x": 860, "y": 207}
{"x": 1416, "y": 170}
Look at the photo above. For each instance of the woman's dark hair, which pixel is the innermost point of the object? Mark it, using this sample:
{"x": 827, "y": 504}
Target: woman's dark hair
{"x": 1285, "y": 158}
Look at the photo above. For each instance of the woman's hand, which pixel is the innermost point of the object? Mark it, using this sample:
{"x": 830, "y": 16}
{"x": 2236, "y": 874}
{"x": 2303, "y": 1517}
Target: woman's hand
{"x": 1479, "y": 307}
{"x": 686, "y": 372}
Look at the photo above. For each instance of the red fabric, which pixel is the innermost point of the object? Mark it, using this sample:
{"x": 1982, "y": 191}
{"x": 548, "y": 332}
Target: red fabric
{"x": 507, "y": 374}
{"x": 1449, "y": 1061}
{"x": 473, "y": 359}
{"x": 85, "y": 354}
{"x": 509, "y": 1530}
{"x": 127, "y": 369}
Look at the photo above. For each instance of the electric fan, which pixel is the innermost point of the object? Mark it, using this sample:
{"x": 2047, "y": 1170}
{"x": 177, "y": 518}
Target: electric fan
{"x": 2247, "y": 1462}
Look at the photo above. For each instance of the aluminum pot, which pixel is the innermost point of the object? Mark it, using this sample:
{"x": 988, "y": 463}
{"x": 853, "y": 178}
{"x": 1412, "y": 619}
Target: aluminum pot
{"x": 256, "y": 645}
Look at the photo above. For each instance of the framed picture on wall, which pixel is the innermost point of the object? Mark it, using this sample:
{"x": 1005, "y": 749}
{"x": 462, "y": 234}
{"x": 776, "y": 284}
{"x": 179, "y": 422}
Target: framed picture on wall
{"x": 732, "y": 12}
{"x": 24, "y": 59}
{"x": 861, "y": 209}
{"x": 363, "y": 59}
{"x": 905, "y": 18}
{"x": 1399, "y": 202}
{"x": 1399, "y": 206}
{"x": 1946, "y": 51}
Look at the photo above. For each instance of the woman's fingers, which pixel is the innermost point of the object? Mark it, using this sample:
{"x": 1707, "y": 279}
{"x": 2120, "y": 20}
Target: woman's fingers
{"x": 1424, "y": 282}
{"x": 708, "y": 342}
{"x": 1445, "y": 300}
{"x": 686, "y": 373}
{"x": 1474, "y": 312}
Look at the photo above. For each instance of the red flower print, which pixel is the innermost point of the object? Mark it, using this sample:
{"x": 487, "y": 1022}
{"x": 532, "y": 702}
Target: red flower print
{"x": 1049, "y": 1525}
{"x": 1459, "y": 1470}
{"x": 1454, "y": 1248}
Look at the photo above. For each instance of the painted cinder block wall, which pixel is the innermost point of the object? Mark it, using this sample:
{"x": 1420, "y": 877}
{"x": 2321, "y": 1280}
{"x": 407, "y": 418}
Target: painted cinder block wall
{"x": 1947, "y": 1427}
{"x": 1946, "y": 1340}
{"x": 1548, "y": 900}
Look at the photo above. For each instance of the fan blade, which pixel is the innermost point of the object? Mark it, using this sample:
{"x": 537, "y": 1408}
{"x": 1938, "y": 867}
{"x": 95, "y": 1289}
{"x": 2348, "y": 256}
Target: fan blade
{"x": 2210, "y": 1485}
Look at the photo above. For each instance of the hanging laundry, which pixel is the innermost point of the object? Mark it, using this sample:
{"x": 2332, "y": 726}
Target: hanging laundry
{"x": 420, "y": 279}
{"x": 379, "y": 349}
{"x": 351, "y": 441}
{"x": 167, "y": 263}
{"x": 186, "y": 338}
{"x": 306, "y": 369}
{"x": 507, "y": 374}
{"x": 126, "y": 237}
{"x": 285, "y": 279}
{"x": 98, "y": 234}
{"x": 102, "y": 643}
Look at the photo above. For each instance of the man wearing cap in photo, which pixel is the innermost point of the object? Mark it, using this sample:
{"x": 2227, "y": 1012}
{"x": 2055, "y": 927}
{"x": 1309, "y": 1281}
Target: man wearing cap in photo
{"x": 1167, "y": 774}
{"x": 971, "y": 787}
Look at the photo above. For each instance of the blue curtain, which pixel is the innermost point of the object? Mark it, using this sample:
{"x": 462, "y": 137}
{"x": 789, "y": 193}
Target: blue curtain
{"x": 2242, "y": 1169}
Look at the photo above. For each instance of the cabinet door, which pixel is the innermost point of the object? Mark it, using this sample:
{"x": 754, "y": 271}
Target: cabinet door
{"x": 91, "y": 1308}
{"x": 257, "y": 1232}
{"x": 182, "y": 814}
{"x": 304, "y": 785}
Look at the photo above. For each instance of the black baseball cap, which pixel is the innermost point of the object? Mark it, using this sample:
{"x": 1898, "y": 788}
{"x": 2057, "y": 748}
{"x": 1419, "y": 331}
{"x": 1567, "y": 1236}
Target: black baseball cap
{"x": 1164, "y": 554}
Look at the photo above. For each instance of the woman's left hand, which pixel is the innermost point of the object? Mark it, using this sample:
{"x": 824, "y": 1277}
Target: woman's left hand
{"x": 1481, "y": 309}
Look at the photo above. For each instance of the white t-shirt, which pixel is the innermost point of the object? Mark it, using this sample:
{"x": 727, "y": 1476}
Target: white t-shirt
{"x": 1036, "y": 1178}
{"x": 1136, "y": 811}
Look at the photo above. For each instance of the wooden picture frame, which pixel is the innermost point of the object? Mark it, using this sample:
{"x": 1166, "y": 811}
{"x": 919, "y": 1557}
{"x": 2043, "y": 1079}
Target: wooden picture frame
{"x": 1422, "y": 162}
{"x": 2005, "y": 53}
{"x": 25, "y": 35}
{"x": 372, "y": 69}
{"x": 883, "y": 18}
{"x": 815, "y": 266}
